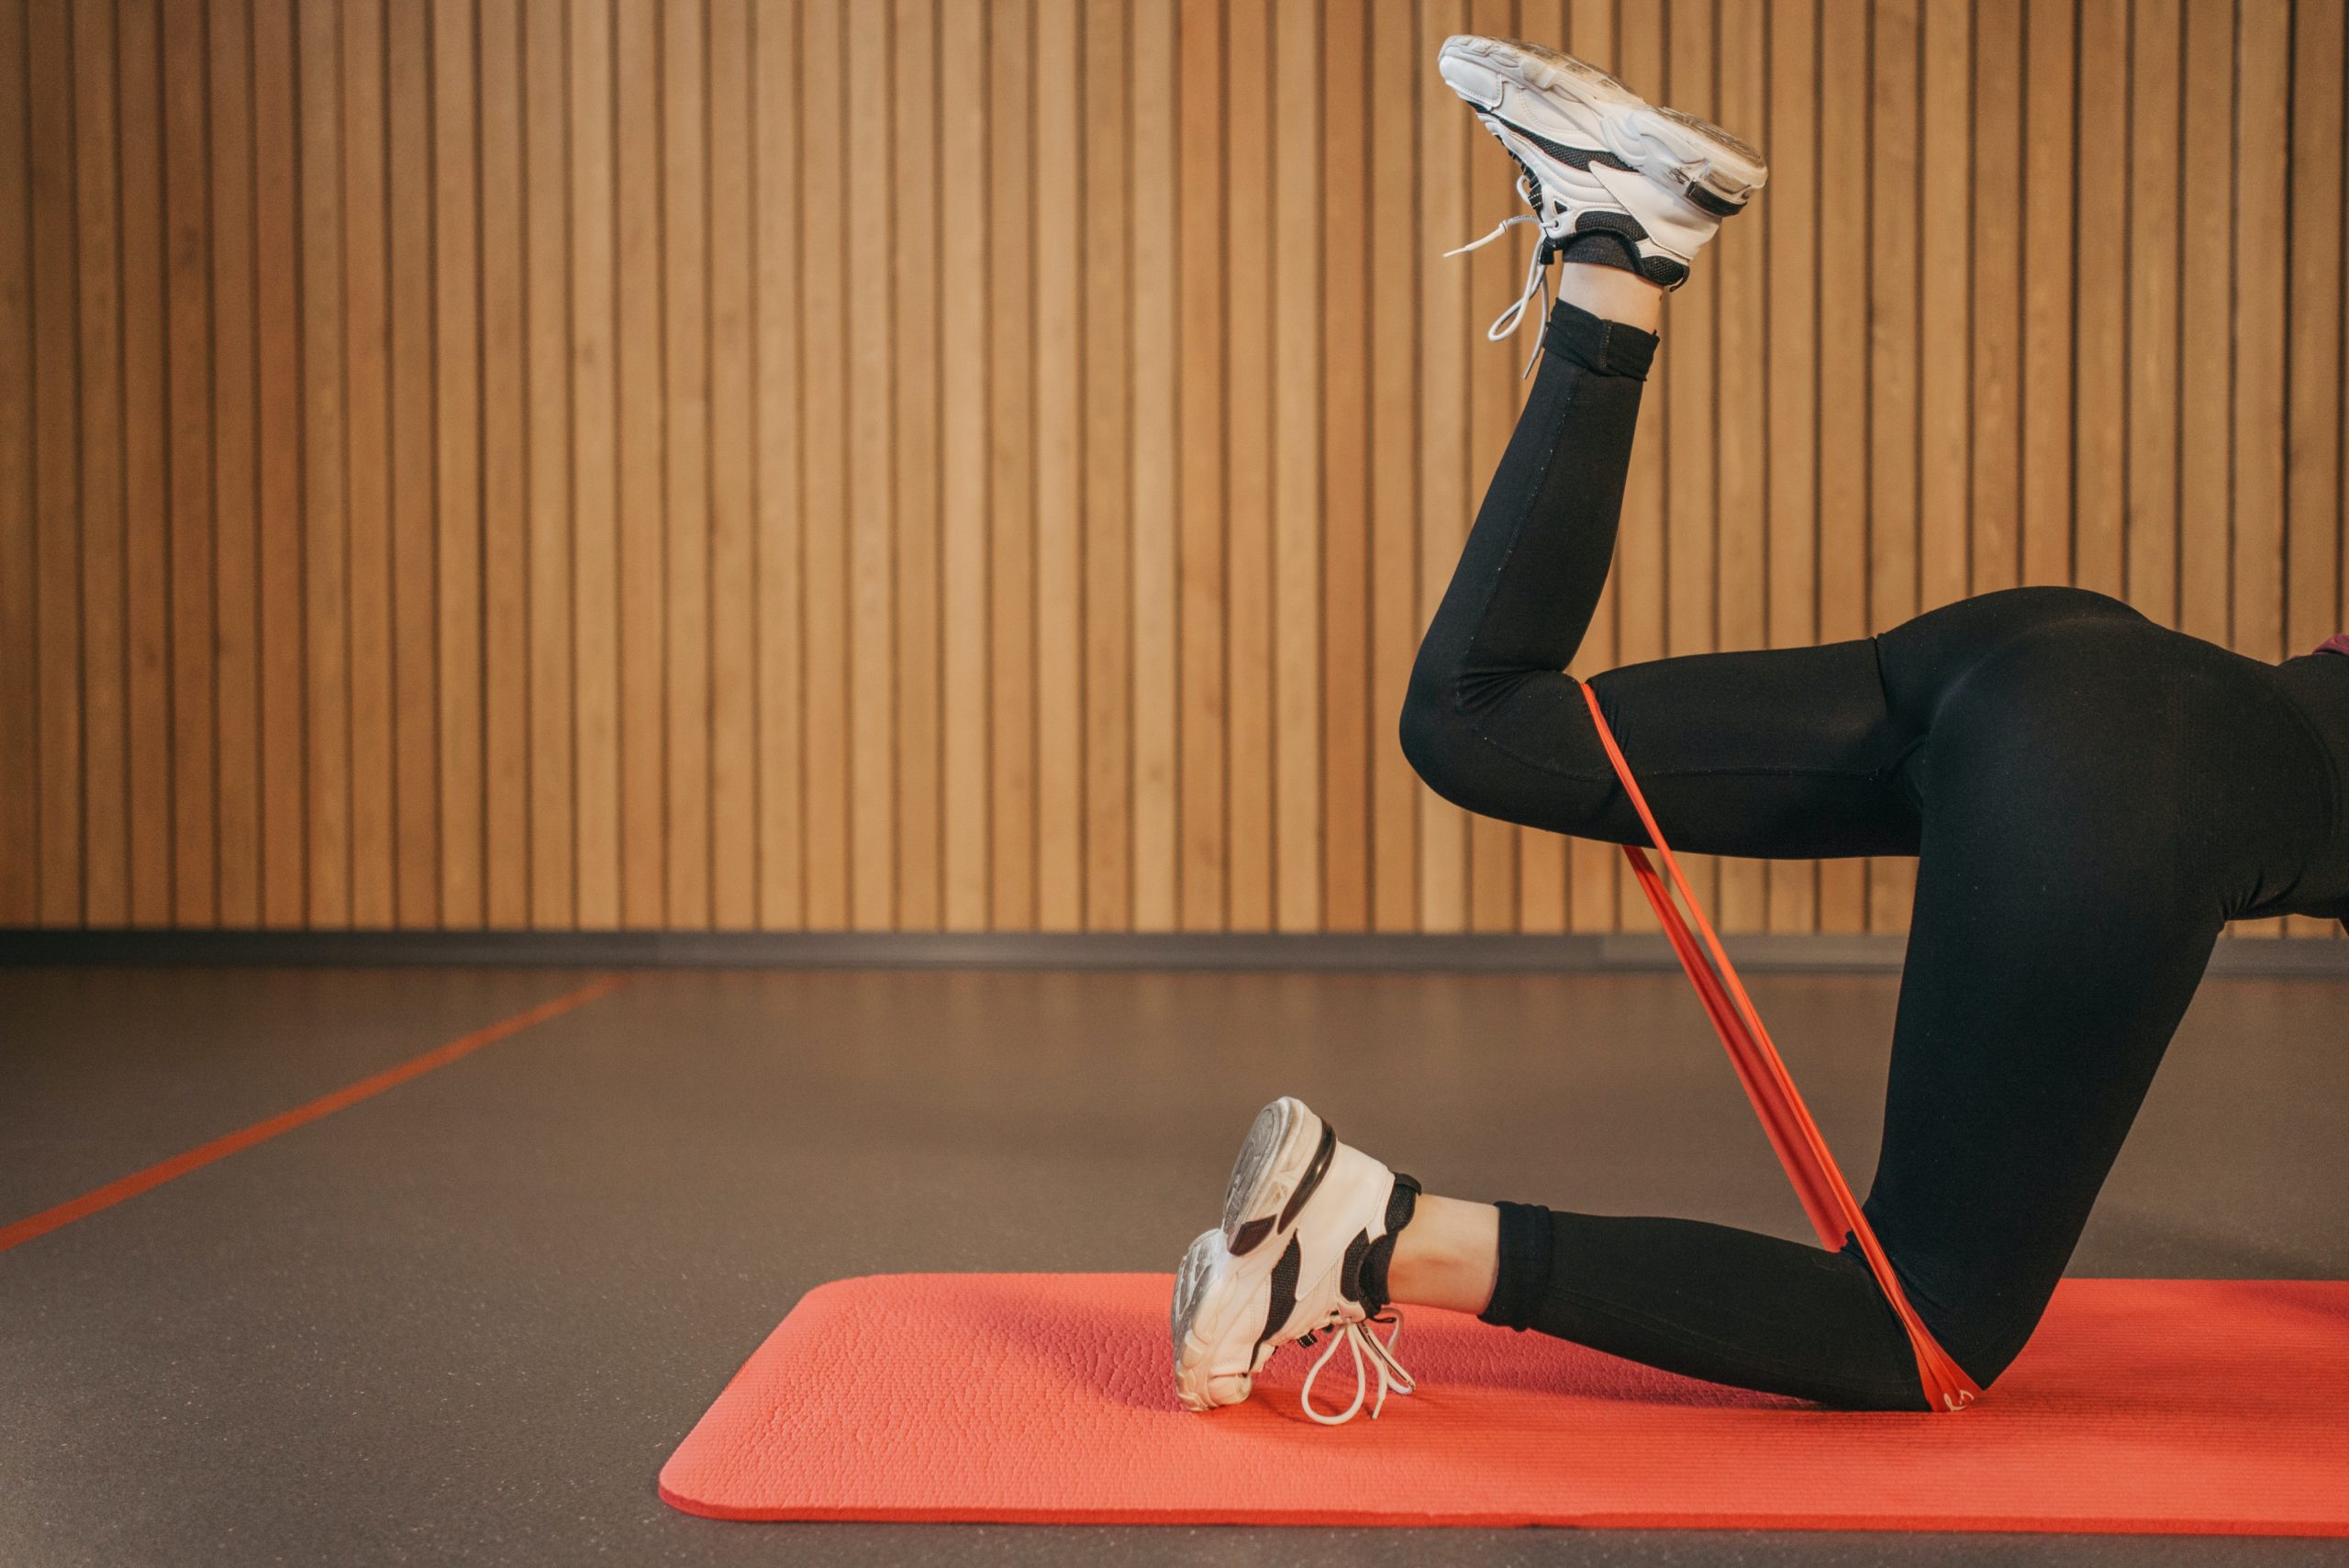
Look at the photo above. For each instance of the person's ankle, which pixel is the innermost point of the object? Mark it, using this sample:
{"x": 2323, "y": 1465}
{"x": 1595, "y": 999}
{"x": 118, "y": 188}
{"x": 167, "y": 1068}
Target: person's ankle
{"x": 1449, "y": 1257}
{"x": 1588, "y": 280}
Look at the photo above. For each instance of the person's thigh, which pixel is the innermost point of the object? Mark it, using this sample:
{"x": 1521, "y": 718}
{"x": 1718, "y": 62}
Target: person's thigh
{"x": 1787, "y": 752}
{"x": 1778, "y": 752}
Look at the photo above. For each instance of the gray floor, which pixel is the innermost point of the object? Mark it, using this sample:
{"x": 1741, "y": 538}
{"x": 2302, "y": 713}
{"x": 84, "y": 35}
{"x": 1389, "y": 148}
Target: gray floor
{"x": 465, "y": 1321}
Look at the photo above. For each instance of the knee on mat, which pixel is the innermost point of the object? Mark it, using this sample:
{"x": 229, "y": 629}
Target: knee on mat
{"x": 1986, "y": 1337}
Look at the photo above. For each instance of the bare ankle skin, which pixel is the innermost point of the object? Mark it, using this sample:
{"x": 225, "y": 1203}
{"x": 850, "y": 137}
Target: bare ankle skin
{"x": 1612, "y": 295}
{"x": 1449, "y": 1255}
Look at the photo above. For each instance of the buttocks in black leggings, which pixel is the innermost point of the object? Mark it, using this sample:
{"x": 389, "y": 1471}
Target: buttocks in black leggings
{"x": 2090, "y": 798}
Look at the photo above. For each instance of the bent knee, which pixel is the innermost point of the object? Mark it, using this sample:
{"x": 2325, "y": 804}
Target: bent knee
{"x": 1501, "y": 758}
{"x": 1441, "y": 743}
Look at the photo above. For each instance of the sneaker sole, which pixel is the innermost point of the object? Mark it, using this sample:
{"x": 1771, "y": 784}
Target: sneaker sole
{"x": 1198, "y": 1271}
{"x": 1281, "y": 1164}
{"x": 1207, "y": 1265}
{"x": 1692, "y": 152}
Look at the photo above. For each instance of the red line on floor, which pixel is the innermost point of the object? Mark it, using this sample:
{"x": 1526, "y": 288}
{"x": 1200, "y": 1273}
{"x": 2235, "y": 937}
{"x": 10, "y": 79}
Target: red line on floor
{"x": 178, "y": 1165}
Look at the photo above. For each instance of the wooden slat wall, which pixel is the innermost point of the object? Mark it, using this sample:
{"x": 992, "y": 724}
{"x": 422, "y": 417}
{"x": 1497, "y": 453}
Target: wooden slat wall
{"x": 985, "y": 463}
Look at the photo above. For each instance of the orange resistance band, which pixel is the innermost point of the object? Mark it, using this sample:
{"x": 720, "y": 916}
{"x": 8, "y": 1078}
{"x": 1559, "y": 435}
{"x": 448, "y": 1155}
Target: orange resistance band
{"x": 1826, "y": 1197}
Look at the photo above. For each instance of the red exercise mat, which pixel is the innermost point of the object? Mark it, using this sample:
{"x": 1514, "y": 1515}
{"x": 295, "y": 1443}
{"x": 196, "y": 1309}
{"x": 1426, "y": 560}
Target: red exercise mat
{"x": 2200, "y": 1406}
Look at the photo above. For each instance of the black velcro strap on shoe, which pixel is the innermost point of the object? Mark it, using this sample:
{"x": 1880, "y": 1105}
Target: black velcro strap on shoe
{"x": 1402, "y": 1203}
{"x": 1284, "y": 1292}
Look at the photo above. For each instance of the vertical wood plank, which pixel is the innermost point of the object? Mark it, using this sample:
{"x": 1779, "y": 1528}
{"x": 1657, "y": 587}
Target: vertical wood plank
{"x": 915, "y": 369}
{"x": 1445, "y": 338}
{"x": 820, "y": 301}
{"x": 1011, "y": 459}
{"x": 547, "y": 306}
{"x": 106, "y": 810}
{"x": 1398, "y": 85}
{"x": 2100, "y": 342}
{"x": 1155, "y": 548}
{"x": 2262, "y": 259}
{"x": 1247, "y": 435}
{"x": 370, "y": 57}
{"x": 1737, "y": 259}
{"x": 1998, "y": 302}
{"x": 56, "y": 741}
{"x": 733, "y": 461}
{"x": 187, "y": 219}
{"x": 19, "y": 719}
{"x": 964, "y": 473}
{"x": 775, "y": 192}
{"x": 1107, "y": 609}
{"x": 872, "y": 500}
{"x": 324, "y": 537}
{"x": 2045, "y": 411}
{"x": 412, "y": 706}
{"x": 1347, "y": 728}
{"x": 457, "y": 452}
{"x": 1201, "y": 301}
{"x": 2156, "y": 180}
{"x": 1058, "y": 475}
{"x": 1297, "y": 522}
{"x": 231, "y": 437}
{"x": 2312, "y": 479}
{"x": 236, "y": 692}
{"x": 2206, "y": 359}
{"x": 642, "y": 434}
{"x": 1944, "y": 461}
{"x": 145, "y": 499}
{"x": 1844, "y": 393}
{"x": 505, "y": 472}
{"x": 595, "y": 456}
{"x": 1893, "y": 373}
{"x": 1789, "y": 213}
{"x": 684, "y": 460}
{"x": 278, "y": 307}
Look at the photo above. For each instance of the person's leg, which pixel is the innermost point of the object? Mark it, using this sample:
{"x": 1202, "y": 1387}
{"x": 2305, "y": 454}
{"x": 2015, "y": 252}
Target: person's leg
{"x": 2099, "y": 796}
{"x": 1786, "y": 752}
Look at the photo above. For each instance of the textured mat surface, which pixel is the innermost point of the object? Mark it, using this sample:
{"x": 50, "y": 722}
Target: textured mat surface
{"x": 2156, "y": 1405}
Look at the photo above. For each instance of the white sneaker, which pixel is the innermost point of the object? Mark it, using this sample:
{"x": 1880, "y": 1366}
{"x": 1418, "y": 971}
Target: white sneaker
{"x": 1308, "y": 1225}
{"x": 1618, "y": 180}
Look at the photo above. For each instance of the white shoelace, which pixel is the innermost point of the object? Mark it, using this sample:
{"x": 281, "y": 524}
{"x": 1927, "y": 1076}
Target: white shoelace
{"x": 1537, "y": 281}
{"x": 1367, "y": 1347}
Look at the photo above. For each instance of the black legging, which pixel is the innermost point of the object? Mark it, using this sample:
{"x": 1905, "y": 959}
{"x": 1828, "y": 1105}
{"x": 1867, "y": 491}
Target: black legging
{"x": 2090, "y": 798}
